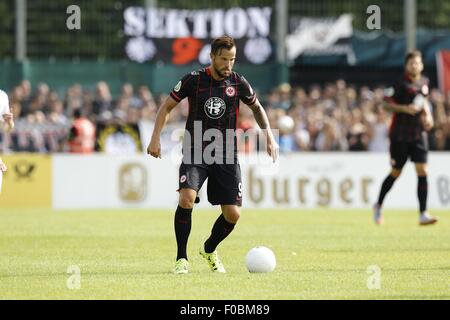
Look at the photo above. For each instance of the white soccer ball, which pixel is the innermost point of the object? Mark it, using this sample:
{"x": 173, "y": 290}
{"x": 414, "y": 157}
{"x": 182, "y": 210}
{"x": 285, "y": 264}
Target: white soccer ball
{"x": 286, "y": 124}
{"x": 260, "y": 259}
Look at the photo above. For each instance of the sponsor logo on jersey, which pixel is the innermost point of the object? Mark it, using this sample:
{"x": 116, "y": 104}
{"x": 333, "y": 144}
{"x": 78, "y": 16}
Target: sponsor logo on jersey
{"x": 230, "y": 91}
{"x": 177, "y": 87}
{"x": 215, "y": 107}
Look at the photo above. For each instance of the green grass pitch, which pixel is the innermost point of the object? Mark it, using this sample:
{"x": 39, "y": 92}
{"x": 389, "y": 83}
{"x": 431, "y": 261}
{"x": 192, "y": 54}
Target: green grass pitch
{"x": 129, "y": 254}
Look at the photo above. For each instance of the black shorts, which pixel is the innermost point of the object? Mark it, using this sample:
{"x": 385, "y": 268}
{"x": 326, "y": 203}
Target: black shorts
{"x": 417, "y": 151}
{"x": 224, "y": 181}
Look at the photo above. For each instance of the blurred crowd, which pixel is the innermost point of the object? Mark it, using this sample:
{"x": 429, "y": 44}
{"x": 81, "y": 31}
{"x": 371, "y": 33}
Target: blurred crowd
{"x": 333, "y": 117}
{"x": 341, "y": 117}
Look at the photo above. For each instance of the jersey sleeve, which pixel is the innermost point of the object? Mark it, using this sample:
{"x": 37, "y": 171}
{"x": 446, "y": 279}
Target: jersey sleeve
{"x": 246, "y": 93}
{"x": 393, "y": 93}
{"x": 183, "y": 88}
{"x": 4, "y": 104}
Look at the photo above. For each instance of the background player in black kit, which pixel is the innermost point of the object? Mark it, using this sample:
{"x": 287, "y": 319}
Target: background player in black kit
{"x": 408, "y": 133}
{"x": 214, "y": 94}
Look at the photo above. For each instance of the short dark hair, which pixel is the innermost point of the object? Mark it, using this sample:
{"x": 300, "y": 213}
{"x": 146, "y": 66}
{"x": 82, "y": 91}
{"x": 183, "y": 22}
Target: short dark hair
{"x": 224, "y": 42}
{"x": 77, "y": 113}
{"x": 412, "y": 54}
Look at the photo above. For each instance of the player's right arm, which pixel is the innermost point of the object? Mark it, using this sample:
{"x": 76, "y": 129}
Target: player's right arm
{"x": 154, "y": 147}
{"x": 178, "y": 93}
{"x": 410, "y": 109}
{"x": 3, "y": 167}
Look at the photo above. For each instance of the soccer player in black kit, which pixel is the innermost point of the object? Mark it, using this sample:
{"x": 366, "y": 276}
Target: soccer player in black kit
{"x": 214, "y": 94}
{"x": 408, "y": 133}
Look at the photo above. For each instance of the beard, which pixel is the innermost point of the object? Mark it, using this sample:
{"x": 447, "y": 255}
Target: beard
{"x": 219, "y": 72}
{"x": 414, "y": 72}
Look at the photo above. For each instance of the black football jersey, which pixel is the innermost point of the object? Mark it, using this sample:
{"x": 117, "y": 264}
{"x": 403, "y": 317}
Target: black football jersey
{"x": 213, "y": 104}
{"x": 405, "y": 127}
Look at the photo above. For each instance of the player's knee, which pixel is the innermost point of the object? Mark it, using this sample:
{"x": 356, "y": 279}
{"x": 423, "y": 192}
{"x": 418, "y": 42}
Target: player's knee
{"x": 186, "y": 201}
{"x": 232, "y": 216}
{"x": 422, "y": 172}
{"x": 396, "y": 172}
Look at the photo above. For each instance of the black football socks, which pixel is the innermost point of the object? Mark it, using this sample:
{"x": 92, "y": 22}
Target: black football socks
{"x": 385, "y": 187}
{"x": 422, "y": 193}
{"x": 182, "y": 223}
{"x": 220, "y": 231}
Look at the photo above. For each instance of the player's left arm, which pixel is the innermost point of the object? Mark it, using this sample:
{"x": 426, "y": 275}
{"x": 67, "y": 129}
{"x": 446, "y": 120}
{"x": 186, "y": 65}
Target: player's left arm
{"x": 5, "y": 111}
{"x": 9, "y": 120}
{"x": 429, "y": 122}
{"x": 263, "y": 121}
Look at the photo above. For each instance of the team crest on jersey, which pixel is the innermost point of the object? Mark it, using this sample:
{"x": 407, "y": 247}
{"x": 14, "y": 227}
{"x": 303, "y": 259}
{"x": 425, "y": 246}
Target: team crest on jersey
{"x": 215, "y": 107}
{"x": 177, "y": 87}
{"x": 425, "y": 89}
{"x": 183, "y": 178}
{"x": 230, "y": 91}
